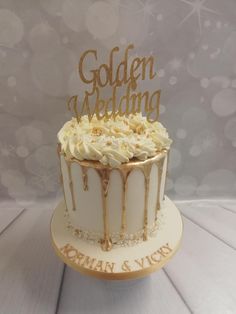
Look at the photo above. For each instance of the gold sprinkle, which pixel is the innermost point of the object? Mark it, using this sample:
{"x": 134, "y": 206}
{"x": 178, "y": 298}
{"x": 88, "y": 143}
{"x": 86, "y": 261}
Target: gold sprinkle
{"x": 139, "y": 129}
{"x": 117, "y": 130}
{"x": 96, "y": 131}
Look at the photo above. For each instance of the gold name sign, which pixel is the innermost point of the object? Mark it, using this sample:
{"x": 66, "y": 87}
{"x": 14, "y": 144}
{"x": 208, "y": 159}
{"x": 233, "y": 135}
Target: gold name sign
{"x": 85, "y": 261}
{"x": 125, "y": 73}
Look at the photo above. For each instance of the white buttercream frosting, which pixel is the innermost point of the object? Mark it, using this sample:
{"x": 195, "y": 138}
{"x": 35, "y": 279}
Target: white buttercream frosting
{"x": 113, "y": 142}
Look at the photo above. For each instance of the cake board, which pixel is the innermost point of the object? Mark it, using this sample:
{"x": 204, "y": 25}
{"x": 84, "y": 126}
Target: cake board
{"x": 120, "y": 263}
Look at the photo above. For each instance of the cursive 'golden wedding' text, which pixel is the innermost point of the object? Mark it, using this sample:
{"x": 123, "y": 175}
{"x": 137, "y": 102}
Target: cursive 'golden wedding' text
{"x": 126, "y": 73}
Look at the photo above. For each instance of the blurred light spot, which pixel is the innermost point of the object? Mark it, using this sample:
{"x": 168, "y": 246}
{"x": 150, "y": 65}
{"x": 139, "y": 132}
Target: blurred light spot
{"x": 175, "y": 158}
{"x": 195, "y": 151}
{"x": 173, "y": 80}
{"x": 102, "y": 19}
{"x": 11, "y": 28}
{"x": 224, "y": 102}
{"x": 204, "y": 82}
{"x": 161, "y": 73}
{"x": 22, "y": 151}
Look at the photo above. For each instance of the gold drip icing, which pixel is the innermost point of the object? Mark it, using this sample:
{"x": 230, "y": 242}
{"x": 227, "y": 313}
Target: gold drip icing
{"x": 160, "y": 164}
{"x": 124, "y": 170}
{"x": 104, "y": 175}
{"x": 85, "y": 177}
{"x": 71, "y": 184}
{"x": 124, "y": 175}
{"x": 133, "y": 164}
{"x": 167, "y": 166}
{"x": 146, "y": 171}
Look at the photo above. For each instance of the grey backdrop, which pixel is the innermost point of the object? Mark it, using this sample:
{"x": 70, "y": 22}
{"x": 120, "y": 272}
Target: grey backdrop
{"x": 195, "y": 47}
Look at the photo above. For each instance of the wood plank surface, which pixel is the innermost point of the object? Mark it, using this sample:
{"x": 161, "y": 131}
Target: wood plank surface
{"x": 87, "y": 295}
{"x": 200, "y": 279}
{"x": 214, "y": 218}
{"x": 30, "y": 273}
{"x": 229, "y": 205}
{"x": 223, "y": 203}
{"x": 204, "y": 272}
{"x": 9, "y": 211}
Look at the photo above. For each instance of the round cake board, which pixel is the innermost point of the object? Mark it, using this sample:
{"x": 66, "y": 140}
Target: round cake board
{"x": 119, "y": 263}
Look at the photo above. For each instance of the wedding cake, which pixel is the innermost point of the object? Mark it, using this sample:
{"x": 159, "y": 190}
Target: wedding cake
{"x": 115, "y": 221}
{"x": 113, "y": 176}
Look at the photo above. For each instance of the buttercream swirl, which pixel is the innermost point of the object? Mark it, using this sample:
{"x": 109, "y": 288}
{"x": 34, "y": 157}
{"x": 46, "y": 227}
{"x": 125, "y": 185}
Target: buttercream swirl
{"x": 113, "y": 142}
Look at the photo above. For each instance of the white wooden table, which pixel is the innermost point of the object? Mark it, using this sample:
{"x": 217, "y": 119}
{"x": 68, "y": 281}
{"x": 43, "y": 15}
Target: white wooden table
{"x": 201, "y": 278}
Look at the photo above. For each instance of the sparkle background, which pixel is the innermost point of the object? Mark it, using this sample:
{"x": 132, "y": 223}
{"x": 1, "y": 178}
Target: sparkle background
{"x": 194, "y": 42}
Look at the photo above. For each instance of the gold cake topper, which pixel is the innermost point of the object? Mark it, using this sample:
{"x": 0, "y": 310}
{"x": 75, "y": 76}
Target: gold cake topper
{"x": 126, "y": 74}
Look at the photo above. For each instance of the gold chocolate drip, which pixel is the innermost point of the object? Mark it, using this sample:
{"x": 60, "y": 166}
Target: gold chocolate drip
{"x": 146, "y": 169}
{"x": 160, "y": 164}
{"x": 124, "y": 174}
{"x": 104, "y": 175}
{"x": 68, "y": 162}
{"x": 85, "y": 177}
{"x": 167, "y": 165}
{"x": 125, "y": 170}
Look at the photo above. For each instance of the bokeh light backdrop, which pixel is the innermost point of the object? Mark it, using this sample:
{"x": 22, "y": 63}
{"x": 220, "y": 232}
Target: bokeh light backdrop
{"x": 194, "y": 43}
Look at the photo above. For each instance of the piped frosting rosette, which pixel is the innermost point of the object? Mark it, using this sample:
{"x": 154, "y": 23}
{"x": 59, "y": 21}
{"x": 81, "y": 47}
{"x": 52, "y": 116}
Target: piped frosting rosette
{"x": 113, "y": 142}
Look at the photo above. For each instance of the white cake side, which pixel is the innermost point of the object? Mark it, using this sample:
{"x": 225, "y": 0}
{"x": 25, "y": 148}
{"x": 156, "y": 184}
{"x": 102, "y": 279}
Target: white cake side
{"x": 86, "y": 209}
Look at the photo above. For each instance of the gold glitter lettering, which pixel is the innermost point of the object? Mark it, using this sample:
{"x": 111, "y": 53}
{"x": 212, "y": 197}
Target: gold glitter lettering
{"x": 99, "y": 266}
{"x": 125, "y": 266}
{"x": 140, "y": 262}
{"x": 106, "y": 75}
{"x": 109, "y": 267}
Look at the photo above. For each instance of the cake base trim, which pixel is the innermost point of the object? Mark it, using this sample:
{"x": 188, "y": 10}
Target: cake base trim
{"x": 122, "y": 262}
{"x": 115, "y": 238}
